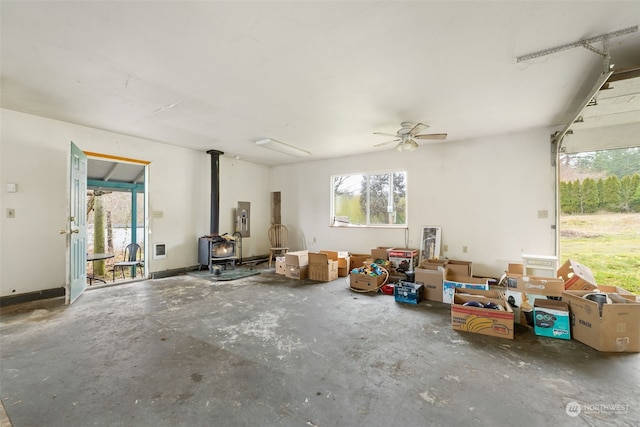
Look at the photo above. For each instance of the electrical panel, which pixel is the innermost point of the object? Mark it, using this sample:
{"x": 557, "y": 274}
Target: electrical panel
{"x": 243, "y": 219}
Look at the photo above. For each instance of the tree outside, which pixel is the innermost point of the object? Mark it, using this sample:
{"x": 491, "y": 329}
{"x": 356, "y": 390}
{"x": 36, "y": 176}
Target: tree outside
{"x": 109, "y": 222}
{"x": 600, "y": 214}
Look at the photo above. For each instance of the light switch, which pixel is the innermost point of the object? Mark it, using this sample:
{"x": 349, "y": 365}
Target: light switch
{"x": 12, "y": 187}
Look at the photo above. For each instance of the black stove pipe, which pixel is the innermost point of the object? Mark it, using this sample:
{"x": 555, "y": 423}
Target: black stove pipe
{"x": 215, "y": 191}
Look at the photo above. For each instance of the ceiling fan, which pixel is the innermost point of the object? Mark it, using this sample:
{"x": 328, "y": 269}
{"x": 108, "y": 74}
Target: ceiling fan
{"x": 407, "y": 135}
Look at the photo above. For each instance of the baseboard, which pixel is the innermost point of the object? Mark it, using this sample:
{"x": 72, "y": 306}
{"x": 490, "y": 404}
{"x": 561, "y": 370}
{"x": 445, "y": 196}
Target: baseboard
{"x": 31, "y": 296}
{"x": 257, "y": 259}
{"x": 172, "y": 272}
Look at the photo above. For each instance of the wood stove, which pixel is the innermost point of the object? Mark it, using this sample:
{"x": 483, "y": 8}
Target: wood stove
{"x": 213, "y": 250}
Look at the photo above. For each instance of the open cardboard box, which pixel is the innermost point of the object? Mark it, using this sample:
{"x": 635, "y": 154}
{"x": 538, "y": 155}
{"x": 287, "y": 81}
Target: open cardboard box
{"x": 622, "y": 292}
{"x": 460, "y": 268}
{"x": 433, "y": 264}
{"x": 343, "y": 263}
{"x": 381, "y": 252}
{"x": 365, "y": 282}
{"x": 615, "y": 329}
{"x": 358, "y": 260}
{"x": 323, "y": 266}
{"x": 538, "y": 285}
{"x": 452, "y": 282}
{"x": 485, "y": 321}
{"x": 576, "y": 277}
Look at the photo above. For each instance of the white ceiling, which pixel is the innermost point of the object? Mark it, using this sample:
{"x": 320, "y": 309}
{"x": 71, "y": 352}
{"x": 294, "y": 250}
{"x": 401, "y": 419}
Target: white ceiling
{"x": 320, "y": 75}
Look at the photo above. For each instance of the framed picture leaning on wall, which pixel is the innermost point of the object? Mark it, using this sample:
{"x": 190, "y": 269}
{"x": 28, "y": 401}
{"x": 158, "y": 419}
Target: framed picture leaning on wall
{"x": 430, "y": 242}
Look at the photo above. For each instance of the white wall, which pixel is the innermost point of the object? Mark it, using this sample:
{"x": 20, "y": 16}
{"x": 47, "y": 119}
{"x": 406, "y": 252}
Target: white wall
{"x": 34, "y": 153}
{"x": 242, "y": 181}
{"x": 485, "y": 194}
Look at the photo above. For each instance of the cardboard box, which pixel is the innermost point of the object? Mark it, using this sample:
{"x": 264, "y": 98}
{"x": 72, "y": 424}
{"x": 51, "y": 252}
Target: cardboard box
{"x": 622, "y": 292}
{"x": 452, "y": 282}
{"x": 364, "y": 282}
{"x": 297, "y": 265}
{"x": 381, "y": 252}
{"x": 491, "y": 293}
{"x": 617, "y": 330}
{"x": 403, "y": 259}
{"x": 460, "y": 268}
{"x": 280, "y": 265}
{"x": 323, "y": 266}
{"x": 577, "y": 277}
{"x": 433, "y": 264}
{"x": 432, "y": 281}
{"x": 343, "y": 264}
{"x": 485, "y": 321}
{"x": 357, "y": 260}
{"x": 551, "y": 319}
{"x": 514, "y": 268}
{"x": 407, "y": 292}
{"x": 548, "y": 286}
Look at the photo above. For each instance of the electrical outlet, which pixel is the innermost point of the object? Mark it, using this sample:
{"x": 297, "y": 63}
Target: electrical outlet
{"x": 465, "y": 249}
{"x": 445, "y": 248}
{"x": 11, "y": 213}
{"x": 543, "y": 214}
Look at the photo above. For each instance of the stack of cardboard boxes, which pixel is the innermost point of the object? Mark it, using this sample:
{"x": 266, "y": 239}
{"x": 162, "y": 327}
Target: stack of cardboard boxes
{"x": 324, "y": 266}
{"x": 555, "y": 306}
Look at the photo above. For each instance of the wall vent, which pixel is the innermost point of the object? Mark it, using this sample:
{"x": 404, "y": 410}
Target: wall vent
{"x": 159, "y": 250}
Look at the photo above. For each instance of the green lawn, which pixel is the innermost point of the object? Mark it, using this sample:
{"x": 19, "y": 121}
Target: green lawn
{"x": 609, "y": 244}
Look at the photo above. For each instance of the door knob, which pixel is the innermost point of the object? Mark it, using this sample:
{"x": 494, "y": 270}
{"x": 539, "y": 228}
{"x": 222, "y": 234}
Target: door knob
{"x": 69, "y": 232}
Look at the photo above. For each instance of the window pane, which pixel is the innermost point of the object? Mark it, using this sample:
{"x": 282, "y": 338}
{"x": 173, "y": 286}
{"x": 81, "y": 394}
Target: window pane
{"x": 369, "y": 199}
{"x": 400, "y": 197}
{"x": 347, "y": 196}
{"x": 380, "y": 206}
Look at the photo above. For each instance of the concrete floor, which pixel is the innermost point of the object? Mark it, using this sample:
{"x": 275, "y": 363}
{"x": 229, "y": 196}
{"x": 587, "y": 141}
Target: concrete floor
{"x": 268, "y": 351}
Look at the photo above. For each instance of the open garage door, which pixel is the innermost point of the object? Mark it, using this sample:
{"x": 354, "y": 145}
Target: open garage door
{"x": 611, "y": 119}
{"x": 599, "y": 184}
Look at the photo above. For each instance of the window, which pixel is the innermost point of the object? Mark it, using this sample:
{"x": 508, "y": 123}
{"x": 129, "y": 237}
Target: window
{"x": 369, "y": 200}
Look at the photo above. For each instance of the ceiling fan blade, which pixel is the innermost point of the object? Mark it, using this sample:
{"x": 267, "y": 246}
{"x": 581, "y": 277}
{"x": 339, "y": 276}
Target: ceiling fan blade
{"x": 386, "y": 134}
{"x": 431, "y": 136}
{"x": 414, "y": 129}
{"x": 385, "y": 143}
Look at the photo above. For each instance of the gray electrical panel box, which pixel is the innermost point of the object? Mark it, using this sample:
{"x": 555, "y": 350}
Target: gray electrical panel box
{"x": 243, "y": 219}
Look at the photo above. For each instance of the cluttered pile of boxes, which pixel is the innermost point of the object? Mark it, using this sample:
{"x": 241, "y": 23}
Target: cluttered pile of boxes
{"x": 554, "y": 301}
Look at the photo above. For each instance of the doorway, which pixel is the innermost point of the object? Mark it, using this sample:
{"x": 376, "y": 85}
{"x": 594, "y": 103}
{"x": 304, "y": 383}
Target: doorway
{"x": 116, "y": 215}
{"x": 599, "y": 201}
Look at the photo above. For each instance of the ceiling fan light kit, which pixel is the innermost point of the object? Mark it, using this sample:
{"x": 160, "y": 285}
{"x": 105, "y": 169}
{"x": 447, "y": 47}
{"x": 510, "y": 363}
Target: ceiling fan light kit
{"x": 281, "y": 147}
{"x": 408, "y": 145}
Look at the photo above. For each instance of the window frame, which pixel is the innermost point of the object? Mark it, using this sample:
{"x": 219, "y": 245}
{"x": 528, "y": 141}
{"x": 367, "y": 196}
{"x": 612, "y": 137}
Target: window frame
{"x": 332, "y": 216}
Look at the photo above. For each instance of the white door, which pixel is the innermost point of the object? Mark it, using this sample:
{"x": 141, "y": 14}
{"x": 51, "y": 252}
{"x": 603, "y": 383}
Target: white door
{"x": 77, "y": 225}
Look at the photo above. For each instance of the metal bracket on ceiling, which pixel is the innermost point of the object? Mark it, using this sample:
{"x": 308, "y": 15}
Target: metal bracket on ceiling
{"x": 558, "y": 137}
{"x": 587, "y": 44}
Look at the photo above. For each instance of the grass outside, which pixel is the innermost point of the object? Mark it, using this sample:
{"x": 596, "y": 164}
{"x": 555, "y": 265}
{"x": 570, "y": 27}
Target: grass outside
{"x": 609, "y": 244}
